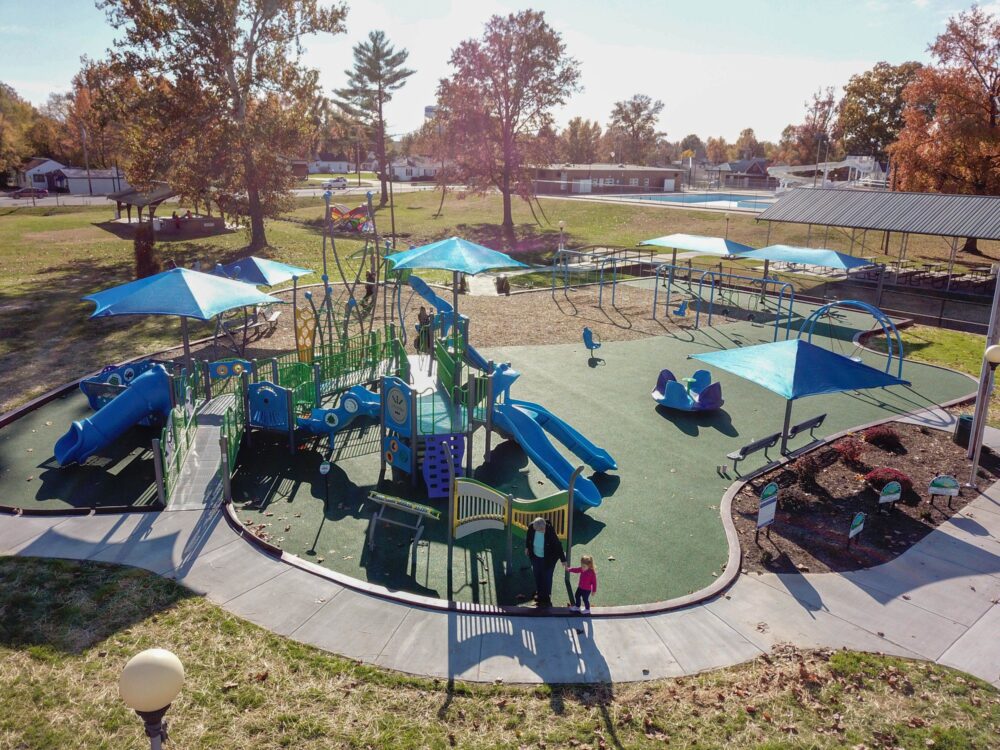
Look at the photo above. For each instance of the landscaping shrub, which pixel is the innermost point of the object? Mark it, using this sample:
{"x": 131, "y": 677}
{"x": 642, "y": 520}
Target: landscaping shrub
{"x": 794, "y": 499}
{"x": 808, "y": 467}
{"x": 885, "y": 437}
{"x": 849, "y": 449}
{"x": 879, "y": 478}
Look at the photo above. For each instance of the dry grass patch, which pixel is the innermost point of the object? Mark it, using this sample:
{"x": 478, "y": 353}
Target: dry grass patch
{"x": 66, "y": 629}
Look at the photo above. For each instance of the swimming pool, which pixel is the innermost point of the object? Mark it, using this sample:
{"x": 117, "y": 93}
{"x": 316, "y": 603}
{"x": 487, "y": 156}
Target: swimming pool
{"x": 711, "y": 200}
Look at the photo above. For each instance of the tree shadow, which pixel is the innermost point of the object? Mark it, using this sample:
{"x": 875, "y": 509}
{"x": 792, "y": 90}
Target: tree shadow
{"x": 69, "y": 606}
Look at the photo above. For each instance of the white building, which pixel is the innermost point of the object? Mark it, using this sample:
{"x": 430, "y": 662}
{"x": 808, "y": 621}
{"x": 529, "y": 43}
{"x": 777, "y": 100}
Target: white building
{"x": 34, "y": 172}
{"x": 414, "y": 168}
{"x": 77, "y": 181}
{"x": 328, "y": 163}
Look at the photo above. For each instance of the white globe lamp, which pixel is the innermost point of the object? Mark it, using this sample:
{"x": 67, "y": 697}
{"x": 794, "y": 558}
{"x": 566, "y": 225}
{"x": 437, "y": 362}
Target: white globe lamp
{"x": 149, "y": 683}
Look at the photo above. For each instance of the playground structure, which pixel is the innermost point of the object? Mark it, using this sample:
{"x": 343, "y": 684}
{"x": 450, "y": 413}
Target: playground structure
{"x": 698, "y": 393}
{"x": 350, "y": 219}
{"x": 476, "y": 507}
{"x": 893, "y": 341}
{"x": 427, "y": 421}
{"x": 688, "y": 288}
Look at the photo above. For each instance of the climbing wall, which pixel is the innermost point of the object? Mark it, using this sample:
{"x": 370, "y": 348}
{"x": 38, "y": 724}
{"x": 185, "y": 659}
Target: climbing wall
{"x": 435, "y": 462}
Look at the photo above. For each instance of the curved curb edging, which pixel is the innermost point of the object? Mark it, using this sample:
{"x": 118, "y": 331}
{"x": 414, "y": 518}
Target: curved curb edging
{"x": 728, "y": 576}
{"x": 723, "y": 582}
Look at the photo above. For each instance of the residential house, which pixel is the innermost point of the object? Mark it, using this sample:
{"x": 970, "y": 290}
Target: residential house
{"x": 558, "y": 179}
{"x": 80, "y": 181}
{"x": 746, "y": 173}
{"x": 35, "y": 171}
{"x": 414, "y": 168}
{"x": 330, "y": 163}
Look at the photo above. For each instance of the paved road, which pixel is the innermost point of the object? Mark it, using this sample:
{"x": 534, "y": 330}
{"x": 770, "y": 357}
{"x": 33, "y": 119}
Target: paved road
{"x": 937, "y": 601}
{"x": 352, "y": 192}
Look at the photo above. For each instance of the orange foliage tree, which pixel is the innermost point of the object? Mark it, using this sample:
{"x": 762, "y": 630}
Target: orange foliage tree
{"x": 951, "y": 139}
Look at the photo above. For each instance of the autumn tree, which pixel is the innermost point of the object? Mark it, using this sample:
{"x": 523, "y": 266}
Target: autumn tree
{"x": 693, "y": 143}
{"x": 632, "y": 127}
{"x": 16, "y": 119}
{"x": 237, "y": 64}
{"x": 951, "y": 138}
{"x": 717, "y": 150}
{"x": 377, "y": 73}
{"x": 811, "y": 141}
{"x": 500, "y": 96}
{"x": 747, "y": 146}
{"x": 580, "y": 141}
{"x": 870, "y": 114}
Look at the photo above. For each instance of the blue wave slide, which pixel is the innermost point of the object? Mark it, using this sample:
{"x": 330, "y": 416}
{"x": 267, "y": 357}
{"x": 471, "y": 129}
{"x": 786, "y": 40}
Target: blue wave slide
{"x": 527, "y": 424}
{"x": 148, "y": 394}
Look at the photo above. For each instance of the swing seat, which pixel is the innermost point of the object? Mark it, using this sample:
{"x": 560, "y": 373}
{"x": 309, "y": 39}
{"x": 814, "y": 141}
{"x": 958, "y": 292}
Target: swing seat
{"x": 591, "y": 341}
{"x": 681, "y": 312}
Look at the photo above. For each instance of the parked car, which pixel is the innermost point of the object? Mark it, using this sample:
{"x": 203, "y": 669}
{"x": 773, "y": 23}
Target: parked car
{"x": 30, "y": 192}
{"x": 336, "y": 182}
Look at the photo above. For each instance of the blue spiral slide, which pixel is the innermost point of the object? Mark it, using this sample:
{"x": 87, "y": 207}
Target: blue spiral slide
{"x": 148, "y": 394}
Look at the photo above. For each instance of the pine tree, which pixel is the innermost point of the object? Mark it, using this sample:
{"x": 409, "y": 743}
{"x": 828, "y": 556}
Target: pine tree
{"x": 378, "y": 72}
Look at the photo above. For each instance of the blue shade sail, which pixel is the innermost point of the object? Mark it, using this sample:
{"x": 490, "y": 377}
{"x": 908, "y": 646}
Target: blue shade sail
{"x": 809, "y": 256}
{"x": 696, "y": 244}
{"x": 179, "y": 291}
{"x": 262, "y": 272}
{"x": 796, "y": 369}
{"x": 453, "y": 254}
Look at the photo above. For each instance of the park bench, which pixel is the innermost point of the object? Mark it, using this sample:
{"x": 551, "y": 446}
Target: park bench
{"x": 391, "y": 502}
{"x": 808, "y": 426}
{"x": 763, "y": 444}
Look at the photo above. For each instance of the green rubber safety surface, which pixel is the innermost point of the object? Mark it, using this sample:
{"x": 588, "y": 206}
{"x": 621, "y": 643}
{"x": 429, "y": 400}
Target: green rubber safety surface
{"x": 658, "y": 533}
{"x": 118, "y": 476}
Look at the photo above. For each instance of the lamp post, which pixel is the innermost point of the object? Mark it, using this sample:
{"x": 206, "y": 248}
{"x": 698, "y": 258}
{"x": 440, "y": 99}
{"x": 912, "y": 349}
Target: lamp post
{"x": 727, "y": 225}
{"x": 562, "y": 226}
{"x": 324, "y": 469}
{"x": 149, "y": 683}
{"x": 991, "y": 358}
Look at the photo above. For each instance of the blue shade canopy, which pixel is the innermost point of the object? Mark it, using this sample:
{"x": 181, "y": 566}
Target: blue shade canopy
{"x": 453, "y": 254}
{"x": 696, "y": 244}
{"x": 262, "y": 272}
{"x": 179, "y": 291}
{"x": 795, "y": 369}
{"x": 807, "y": 256}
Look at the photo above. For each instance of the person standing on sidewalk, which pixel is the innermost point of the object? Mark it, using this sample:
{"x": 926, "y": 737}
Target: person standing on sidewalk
{"x": 544, "y": 550}
{"x": 587, "y": 585}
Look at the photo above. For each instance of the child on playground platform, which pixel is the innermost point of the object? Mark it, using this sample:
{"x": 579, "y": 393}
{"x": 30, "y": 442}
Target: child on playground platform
{"x": 587, "y": 585}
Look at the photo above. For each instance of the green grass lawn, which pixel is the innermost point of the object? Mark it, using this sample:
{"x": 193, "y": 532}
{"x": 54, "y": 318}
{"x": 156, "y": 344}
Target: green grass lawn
{"x": 955, "y": 349}
{"x": 477, "y": 217}
{"x": 50, "y": 257}
{"x": 68, "y": 628}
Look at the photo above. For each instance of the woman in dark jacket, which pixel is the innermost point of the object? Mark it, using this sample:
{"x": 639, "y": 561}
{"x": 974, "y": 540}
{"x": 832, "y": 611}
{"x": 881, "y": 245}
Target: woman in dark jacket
{"x": 544, "y": 550}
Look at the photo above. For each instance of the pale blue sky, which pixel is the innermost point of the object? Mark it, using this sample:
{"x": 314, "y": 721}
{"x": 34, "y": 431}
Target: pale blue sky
{"x": 719, "y": 66}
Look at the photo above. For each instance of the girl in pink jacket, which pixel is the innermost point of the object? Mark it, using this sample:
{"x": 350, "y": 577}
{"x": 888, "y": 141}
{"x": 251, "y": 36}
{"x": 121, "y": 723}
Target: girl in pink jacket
{"x": 587, "y": 584}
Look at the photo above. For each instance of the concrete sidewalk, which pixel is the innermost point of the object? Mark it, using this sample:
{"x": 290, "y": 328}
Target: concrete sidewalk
{"x": 937, "y": 601}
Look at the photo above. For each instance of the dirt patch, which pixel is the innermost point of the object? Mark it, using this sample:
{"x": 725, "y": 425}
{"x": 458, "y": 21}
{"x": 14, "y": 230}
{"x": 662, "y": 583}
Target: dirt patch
{"x": 533, "y": 318}
{"x": 81, "y": 234}
{"x": 821, "y": 491}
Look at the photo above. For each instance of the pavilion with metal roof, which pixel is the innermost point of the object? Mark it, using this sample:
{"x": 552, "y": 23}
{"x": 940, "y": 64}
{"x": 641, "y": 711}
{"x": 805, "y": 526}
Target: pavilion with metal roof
{"x": 946, "y": 215}
{"x": 148, "y": 199}
{"x": 940, "y": 214}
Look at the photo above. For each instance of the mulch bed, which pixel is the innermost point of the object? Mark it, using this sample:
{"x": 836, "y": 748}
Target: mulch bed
{"x": 821, "y": 491}
{"x": 527, "y": 319}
